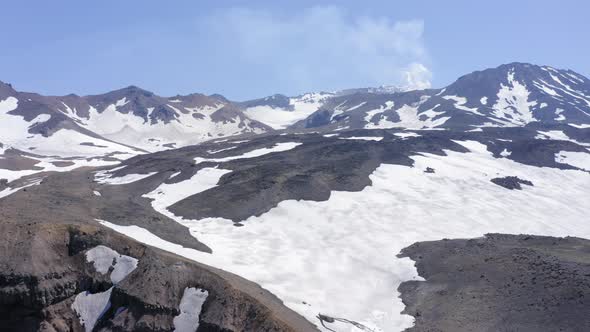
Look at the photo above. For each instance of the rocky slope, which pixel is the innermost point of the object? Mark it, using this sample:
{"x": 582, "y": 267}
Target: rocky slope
{"x": 358, "y": 199}
{"x": 500, "y": 283}
{"x": 48, "y": 281}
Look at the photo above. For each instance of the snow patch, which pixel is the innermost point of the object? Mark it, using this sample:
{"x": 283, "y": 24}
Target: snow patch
{"x": 513, "y": 105}
{"x": 121, "y": 102}
{"x": 106, "y": 177}
{"x": 105, "y": 258}
{"x": 339, "y": 111}
{"x": 560, "y": 117}
{"x": 579, "y": 126}
{"x": 363, "y": 138}
{"x": 9, "y": 191}
{"x": 90, "y": 307}
{"x": 279, "y": 147}
{"x": 371, "y": 114}
{"x": 577, "y": 159}
{"x": 407, "y": 134}
{"x": 505, "y": 153}
{"x": 168, "y": 194}
{"x": 9, "y": 104}
{"x": 190, "y": 309}
{"x": 460, "y": 104}
{"x": 557, "y": 135}
{"x": 221, "y": 150}
{"x": 409, "y": 118}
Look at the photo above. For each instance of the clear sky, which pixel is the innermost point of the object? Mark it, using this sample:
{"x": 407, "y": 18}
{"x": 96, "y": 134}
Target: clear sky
{"x": 250, "y": 49}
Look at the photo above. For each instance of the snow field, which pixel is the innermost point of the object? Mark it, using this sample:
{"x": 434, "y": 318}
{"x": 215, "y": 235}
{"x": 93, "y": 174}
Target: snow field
{"x": 343, "y": 251}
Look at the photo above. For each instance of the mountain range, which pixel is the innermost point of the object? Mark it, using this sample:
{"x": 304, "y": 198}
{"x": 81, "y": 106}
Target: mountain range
{"x": 328, "y": 211}
{"x": 132, "y": 119}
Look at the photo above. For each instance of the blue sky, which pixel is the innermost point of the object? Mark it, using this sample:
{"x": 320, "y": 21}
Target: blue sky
{"x": 250, "y": 49}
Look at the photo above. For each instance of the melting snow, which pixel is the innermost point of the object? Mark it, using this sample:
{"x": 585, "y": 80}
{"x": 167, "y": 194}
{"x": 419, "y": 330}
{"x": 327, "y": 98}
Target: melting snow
{"x": 371, "y": 114}
{"x": 9, "y": 191}
{"x": 105, "y": 177}
{"x": 364, "y": 138}
{"x": 15, "y": 133}
{"x": 104, "y": 258}
{"x": 46, "y": 164}
{"x": 339, "y": 111}
{"x": 579, "y": 126}
{"x": 409, "y": 118}
{"x": 543, "y": 86}
{"x": 363, "y": 231}
{"x": 220, "y": 150}
{"x": 190, "y": 309}
{"x": 557, "y": 135}
{"x": 560, "y": 117}
{"x": 168, "y": 194}
{"x": 576, "y": 159}
{"x": 121, "y": 102}
{"x": 505, "y": 153}
{"x": 280, "y": 118}
{"x": 90, "y": 307}
{"x": 407, "y": 134}
{"x": 460, "y": 104}
{"x": 513, "y": 105}
{"x": 279, "y": 147}
{"x": 184, "y": 129}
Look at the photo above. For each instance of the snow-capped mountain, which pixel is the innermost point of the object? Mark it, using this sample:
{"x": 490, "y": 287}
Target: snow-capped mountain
{"x": 515, "y": 94}
{"x": 125, "y": 120}
{"x": 145, "y": 120}
{"x": 280, "y": 112}
{"x": 40, "y": 132}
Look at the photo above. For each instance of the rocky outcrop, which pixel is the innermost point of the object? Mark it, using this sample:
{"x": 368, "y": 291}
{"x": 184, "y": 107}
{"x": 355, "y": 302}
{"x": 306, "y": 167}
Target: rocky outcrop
{"x": 511, "y": 182}
{"x": 43, "y": 267}
{"x": 500, "y": 283}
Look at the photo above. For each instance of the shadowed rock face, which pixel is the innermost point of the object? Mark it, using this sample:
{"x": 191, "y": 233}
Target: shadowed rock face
{"x": 45, "y": 231}
{"x": 500, "y": 283}
{"x": 43, "y": 267}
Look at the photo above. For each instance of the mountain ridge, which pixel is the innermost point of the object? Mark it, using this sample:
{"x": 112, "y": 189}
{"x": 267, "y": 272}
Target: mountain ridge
{"x": 513, "y": 94}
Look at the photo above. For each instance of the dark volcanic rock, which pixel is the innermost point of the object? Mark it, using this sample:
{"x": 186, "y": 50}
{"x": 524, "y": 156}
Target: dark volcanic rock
{"x": 511, "y": 182}
{"x": 429, "y": 170}
{"x": 43, "y": 268}
{"x": 256, "y": 185}
{"x": 500, "y": 283}
{"x": 45, "y": 232}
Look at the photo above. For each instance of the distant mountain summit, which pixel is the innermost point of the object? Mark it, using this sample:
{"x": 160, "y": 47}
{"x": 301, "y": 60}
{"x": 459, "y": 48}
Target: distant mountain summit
{"x": 126, "y": 120}
{"x": 132, "y": 120}
{"x": 514, "y": 94}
